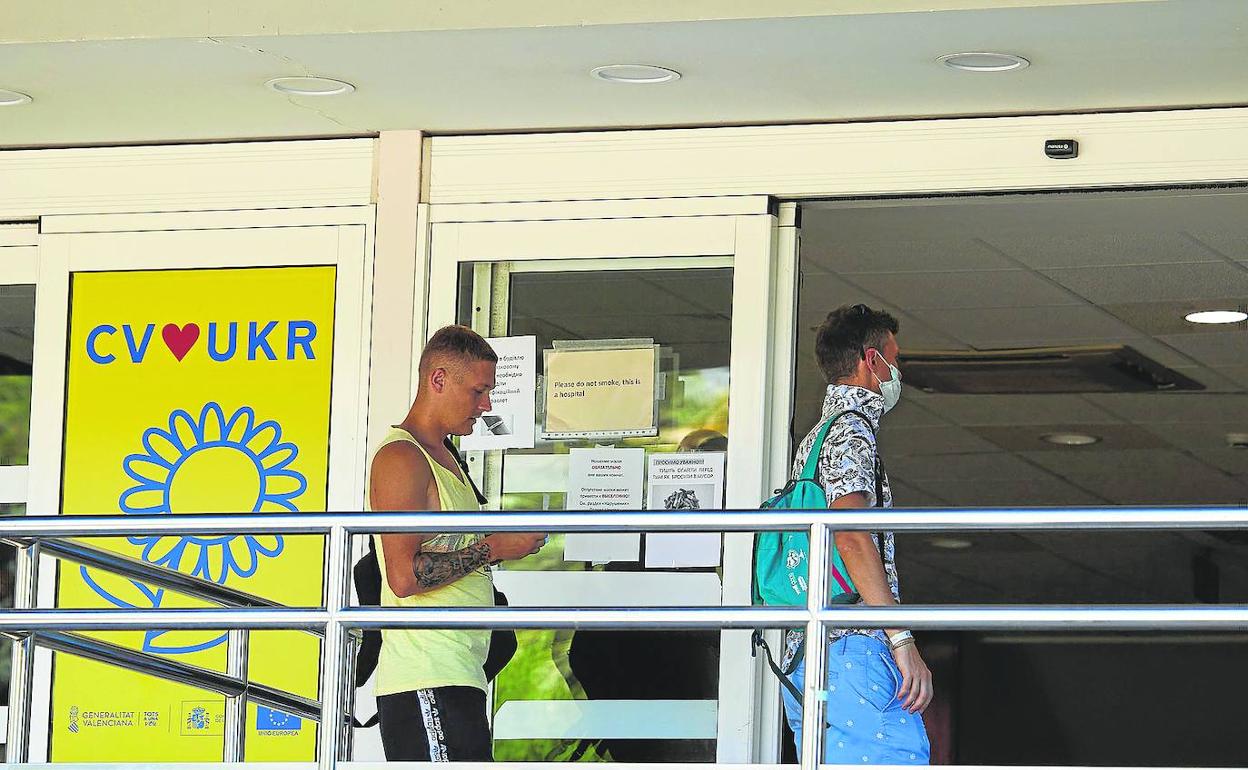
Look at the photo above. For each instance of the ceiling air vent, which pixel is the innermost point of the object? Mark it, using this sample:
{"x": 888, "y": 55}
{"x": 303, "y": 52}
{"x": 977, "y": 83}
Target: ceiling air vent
{"x": 1099, "y": 369}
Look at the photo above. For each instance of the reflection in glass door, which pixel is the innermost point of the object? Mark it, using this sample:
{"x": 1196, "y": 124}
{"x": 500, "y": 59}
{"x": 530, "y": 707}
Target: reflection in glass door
{"x": 635, "y": 696}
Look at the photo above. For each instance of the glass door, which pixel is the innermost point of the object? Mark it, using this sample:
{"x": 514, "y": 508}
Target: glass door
{"x": 684, "y": 290}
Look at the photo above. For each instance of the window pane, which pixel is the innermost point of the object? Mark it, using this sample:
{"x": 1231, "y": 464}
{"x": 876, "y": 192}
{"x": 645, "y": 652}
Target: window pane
{"x": 17, "y": 335}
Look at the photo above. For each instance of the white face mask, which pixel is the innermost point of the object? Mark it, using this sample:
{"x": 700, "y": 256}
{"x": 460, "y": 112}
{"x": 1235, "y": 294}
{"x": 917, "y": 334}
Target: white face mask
{"x": 890, "y": 390}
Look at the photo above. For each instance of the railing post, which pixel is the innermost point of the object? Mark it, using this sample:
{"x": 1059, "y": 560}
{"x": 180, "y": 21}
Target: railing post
{"x": 347, "y": 750}
{"x": 236, "y": 644}
{"x": 334, "y": 649}
{"x": 22, "y": 678}
{"x": 814, "y": 693}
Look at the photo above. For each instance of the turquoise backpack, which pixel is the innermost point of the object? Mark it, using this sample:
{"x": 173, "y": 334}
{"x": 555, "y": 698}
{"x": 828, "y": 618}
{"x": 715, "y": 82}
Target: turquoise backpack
{"x": 780, "y": 558}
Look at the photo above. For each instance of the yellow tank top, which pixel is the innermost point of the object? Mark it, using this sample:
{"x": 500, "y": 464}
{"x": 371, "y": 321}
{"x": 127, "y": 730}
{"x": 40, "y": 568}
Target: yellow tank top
{"x": 418, "y": 660}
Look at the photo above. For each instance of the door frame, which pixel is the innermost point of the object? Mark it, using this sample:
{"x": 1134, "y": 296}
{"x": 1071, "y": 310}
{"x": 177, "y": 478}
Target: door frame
{"x": 658, "y": 234}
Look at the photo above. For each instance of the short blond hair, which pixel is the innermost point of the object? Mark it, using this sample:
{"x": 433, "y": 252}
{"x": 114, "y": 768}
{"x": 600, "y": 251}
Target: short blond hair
{"x": 455, "y": 342}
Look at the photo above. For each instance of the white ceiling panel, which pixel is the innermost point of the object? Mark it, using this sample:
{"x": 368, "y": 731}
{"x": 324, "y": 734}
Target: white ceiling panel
{"x": 1081, "y": 462}
{"x": 1043, "y": 250}
{"x": 1008, "y": 493}
{"x": 982, "y": 466}
{"x": 1200, "y": 435}
{"x": 1229, "y": 348}
{"x": 965, "y": 289}
{"x": 1237, "y": 374}
{"x": 826, "y": 291}
{"x": 1019, "y": 326}
{"x": 1152, "y": 283}
{"x": 1207, "y": 487}
{"x": 911, "y": 412}
{"x": 897, "y": 440}
{"x": 1229, "y": 236}
{"x": 1021, "y": 410}
{"x": 1145, "y": 408}
{"x": 839, "y": 252}
{"x": 1229, "y": 460}
{"x": 909, "y": 496}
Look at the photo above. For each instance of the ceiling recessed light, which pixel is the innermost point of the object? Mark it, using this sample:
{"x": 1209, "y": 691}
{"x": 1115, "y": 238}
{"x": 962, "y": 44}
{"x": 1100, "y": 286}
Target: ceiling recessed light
{"x": 13, "y": 98}
{"x": 637, "y": 74}
{"x": 983, "y": 61}
{"x": 950, "y": 543}
{"x": 1216, "y": 317}
{"x": 309, "y": 86}
{"x": 1071, "y": 439}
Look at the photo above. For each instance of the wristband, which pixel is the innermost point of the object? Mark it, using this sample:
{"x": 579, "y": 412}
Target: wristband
{"x": 900, "y": 638}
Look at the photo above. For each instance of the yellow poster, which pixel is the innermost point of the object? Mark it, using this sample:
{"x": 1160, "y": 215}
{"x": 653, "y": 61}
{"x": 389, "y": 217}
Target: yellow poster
{"x": 194, "y": 391}
{"x": 593, "y": 393}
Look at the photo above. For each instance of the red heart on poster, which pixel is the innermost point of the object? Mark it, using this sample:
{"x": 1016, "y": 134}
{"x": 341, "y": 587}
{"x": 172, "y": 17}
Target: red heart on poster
{"x": 180, "y": 341}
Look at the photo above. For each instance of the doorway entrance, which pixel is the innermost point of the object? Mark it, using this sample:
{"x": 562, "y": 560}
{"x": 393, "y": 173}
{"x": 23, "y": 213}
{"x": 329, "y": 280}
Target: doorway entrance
{"x": 695, "y": 290}
{"x": 1048, "y": 360}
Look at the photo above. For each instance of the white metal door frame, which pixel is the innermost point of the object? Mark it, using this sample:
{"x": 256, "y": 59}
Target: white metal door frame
{"x": 747, "y": 242}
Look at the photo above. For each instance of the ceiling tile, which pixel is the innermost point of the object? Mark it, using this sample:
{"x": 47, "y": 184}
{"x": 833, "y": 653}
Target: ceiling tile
{"x": 1208, "y": 487}
{"x": 1163, "y": 407}
{"x": 1228, "y": 460}
{"x": 871, "y": 253}
{"x": 1041, "y": 249}
{"x": 1013, "y": 410}
{"x": 1228, "y": 237}
{"x": 979, "y": 493}
{"x": 829, "y": 291}
{"x": 1127, "y": 463}
{"x": 971, "y": 289}
{"x": 1228, "y": 348}
{"x": 1237, "y": 374}
{"x": 998, "y": 467}
{"x": 909, "y": 496}
{"x": 911, "y": 411}
{"x": 1031, "y": 439}
{"x": 1169, "y": 317}
{"x": 898, "y": 440}
{"x": 1005, "y": 327}
{"x": 1200, "y": 435}
{"x": 1151, "y": 283}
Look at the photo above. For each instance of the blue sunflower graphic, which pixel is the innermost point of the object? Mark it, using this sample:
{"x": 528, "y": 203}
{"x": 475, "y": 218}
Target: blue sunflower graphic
{"x": 208, "y": 464}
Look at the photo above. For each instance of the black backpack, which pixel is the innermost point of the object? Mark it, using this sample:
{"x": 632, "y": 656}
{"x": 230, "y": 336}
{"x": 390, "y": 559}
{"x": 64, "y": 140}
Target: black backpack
{"x": 367, "y": 576}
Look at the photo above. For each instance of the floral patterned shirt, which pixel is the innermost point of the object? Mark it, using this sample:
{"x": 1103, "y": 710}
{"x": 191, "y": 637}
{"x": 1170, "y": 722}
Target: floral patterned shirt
{"x": 847, "y": 463}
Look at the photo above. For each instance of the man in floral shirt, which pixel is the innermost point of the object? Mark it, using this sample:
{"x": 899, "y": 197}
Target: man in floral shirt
{"x": 878, "y": 684}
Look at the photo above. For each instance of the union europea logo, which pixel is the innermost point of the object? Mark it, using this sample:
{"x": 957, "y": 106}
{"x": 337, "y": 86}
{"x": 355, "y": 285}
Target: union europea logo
{"x": 272, "y": 719}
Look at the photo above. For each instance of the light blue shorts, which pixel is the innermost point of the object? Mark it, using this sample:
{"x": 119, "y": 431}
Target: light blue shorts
{"x": 866, "y": 722}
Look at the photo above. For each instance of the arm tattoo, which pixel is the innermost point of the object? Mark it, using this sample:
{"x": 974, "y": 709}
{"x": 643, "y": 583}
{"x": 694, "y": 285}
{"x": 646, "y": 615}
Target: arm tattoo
{"x": 433, "y": 570}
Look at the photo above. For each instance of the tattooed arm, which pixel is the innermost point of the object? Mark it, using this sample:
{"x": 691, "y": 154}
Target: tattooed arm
{"x": 401, "y": 480}
{"x": 434, "y": 570}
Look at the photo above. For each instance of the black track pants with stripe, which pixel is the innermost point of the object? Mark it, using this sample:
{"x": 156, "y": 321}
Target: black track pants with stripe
{"x": 442, "y": 724}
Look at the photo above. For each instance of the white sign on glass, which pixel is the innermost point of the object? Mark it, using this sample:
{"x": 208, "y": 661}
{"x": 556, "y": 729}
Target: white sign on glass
{"x": 684, "y": 481}
{"x": 604, "y": 479}
{"x": 510, "y": 423}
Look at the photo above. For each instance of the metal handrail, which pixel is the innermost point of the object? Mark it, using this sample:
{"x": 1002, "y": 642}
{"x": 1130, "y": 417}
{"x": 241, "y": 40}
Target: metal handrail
{"x": 748, "y": 520}
{"x": 142, "y": 571}
{"x": 337, "y": 618}
{"x": 174, "y": 671}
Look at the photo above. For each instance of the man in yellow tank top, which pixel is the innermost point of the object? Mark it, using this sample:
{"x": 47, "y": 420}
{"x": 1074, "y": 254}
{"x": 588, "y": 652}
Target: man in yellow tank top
{"x": 430, "y": 683}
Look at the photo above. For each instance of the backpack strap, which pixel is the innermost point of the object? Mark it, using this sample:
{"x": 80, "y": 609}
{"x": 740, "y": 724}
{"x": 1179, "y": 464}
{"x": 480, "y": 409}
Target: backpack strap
{"x": 463, "y": 466}
{"x": 811, "y": 467}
